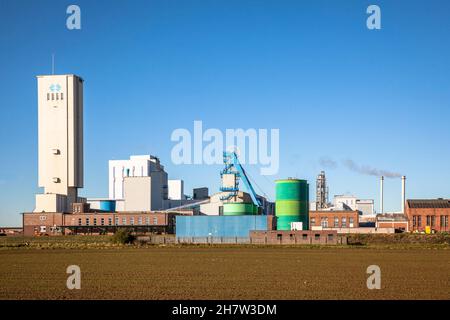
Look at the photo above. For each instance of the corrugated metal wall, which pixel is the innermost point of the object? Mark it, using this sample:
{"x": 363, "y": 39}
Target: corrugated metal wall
{"x": 218, "y": 226}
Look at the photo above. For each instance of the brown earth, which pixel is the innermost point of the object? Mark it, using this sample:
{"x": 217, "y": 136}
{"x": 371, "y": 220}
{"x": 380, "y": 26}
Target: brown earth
{"x": 225, "y": 273}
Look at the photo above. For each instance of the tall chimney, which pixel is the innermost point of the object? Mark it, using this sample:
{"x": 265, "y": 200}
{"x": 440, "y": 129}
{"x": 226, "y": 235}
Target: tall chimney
{"x": 403, "y": 193}
{"x": 381, "y": 195}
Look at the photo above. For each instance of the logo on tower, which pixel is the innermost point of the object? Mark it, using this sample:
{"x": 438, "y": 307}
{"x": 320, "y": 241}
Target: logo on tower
{"x": 55, "y": 88}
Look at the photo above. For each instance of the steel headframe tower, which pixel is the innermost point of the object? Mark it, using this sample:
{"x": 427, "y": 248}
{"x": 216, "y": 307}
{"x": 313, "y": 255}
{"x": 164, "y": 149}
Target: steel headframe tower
{"x": 321, "y": 191}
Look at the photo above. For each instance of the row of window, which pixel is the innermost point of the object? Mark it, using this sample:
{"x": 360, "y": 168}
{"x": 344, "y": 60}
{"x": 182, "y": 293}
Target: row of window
{"x": 55, "y": 96}
{"x": 430, "y": 221}
{"x": 324, "y": 222}
{"x": 118, "y": 221}
{"x": 305, "y": 236}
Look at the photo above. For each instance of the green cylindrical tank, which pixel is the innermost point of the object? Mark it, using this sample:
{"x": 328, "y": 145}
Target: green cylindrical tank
{"x": 292, "y": 203}
{"x": 239, "y": 209}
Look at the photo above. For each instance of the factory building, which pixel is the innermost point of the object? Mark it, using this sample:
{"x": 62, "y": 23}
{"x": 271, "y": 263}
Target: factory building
{"x": 91, "y": 222}
{"x": 399, "y": 222}
{"x": 60, "y": 142}
{"x": 430, "y": 215}
{"x": 334, "y": 219}
{"x": 176, "y": 189}
{"x": 143, "y": 174}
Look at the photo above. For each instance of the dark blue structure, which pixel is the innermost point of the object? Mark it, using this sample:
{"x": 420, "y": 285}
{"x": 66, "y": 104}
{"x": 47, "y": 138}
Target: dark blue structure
{"x": 219, "y": 226}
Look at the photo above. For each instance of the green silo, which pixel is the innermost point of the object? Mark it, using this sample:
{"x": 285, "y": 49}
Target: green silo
{"x": 239, "y": 209}
{"x": 292, "y": 203}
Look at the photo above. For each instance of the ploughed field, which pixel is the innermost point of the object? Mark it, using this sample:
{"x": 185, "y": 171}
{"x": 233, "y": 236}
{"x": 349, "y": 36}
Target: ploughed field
{"x": 190, "y": 272}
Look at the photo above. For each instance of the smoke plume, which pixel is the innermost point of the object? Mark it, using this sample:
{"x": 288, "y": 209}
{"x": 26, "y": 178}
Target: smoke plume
{"x": 350, "y": 164}
{"x": 327, "y": 162}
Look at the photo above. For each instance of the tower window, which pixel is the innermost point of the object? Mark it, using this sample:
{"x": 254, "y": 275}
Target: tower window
{"x": 48, "y": 96}
{"x": 62, "y": 96}
{"x": 53, "y": 96}
{"x": 57, "y": 96}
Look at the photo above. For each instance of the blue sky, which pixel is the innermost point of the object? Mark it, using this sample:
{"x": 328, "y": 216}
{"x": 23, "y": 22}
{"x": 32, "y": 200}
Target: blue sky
{"x": 310, "y": 68}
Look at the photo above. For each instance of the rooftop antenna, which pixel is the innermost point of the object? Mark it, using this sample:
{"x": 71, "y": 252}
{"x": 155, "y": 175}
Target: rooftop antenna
{"x": 53, "y": 63}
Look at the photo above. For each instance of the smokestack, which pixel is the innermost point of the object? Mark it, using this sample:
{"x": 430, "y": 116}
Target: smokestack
{"x": 381, "y": 194}
{"x": 403, "y": 193}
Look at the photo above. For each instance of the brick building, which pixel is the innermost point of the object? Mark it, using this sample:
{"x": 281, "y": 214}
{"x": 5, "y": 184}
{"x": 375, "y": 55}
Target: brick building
{"x": 86, "y": 221}
{"x": 334, "y": 219}
{"x": 432, "y": 213}
{"x": 388, "y": 220}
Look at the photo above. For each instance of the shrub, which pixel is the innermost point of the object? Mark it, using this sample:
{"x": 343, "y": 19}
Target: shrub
{"x": 123, "y": 236}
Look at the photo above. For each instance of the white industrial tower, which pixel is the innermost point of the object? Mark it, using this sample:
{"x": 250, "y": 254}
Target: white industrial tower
{"x": 60, "y": 142}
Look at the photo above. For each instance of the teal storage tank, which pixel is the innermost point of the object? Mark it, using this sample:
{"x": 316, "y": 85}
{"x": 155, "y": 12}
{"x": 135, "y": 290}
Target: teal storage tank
{"x": 108, "y": 205}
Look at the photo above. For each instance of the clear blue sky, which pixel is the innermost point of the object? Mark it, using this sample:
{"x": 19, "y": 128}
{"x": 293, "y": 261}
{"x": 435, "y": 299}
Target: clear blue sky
{"x": 310, "y": 68}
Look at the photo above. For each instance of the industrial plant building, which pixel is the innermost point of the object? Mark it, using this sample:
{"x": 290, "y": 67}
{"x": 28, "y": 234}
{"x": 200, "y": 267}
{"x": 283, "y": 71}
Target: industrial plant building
{"x": 143, "y": 198}
{"x": 428, "y": 215}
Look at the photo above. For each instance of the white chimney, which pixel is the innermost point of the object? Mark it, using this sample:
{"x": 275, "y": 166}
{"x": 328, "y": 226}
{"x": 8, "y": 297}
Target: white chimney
{"x": 381, "y": 195}
{"x": 403, "y": 193}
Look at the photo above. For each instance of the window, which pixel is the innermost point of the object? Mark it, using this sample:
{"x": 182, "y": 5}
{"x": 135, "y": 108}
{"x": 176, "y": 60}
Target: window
{"x": 414, "y": 221}
{"x": 155, "y": 220}
{"x": 330, "y": 237}
{"x": 446, "y": 222}
{"x": 433, "y": 221}
{"x": 419, "y": 221}
{"x": 117, "y": 221}
{"x": 147, "y": 220}
{"x": 132, "y": 221}
{"x": 304, "y": 236}
{"x": 139, "y": 220}
{"x": 57, "y": 96}
{"x": 350, "y": 221}
{"x": 109, "y": 221}
{"x": 95, "y": 221}
{"x": 53, "y": 96}
{"x": 336, "y": 222}
{"x": 62, "y": 96}
{"x": 79, "y": 221}
{"x": 87, "y": 221}
{"x": 48, "y": 96}
{"x": 344, "y": 222}
{"x": 102, "y": 221}
{"x": 428, "y": 220}
{"x": 313, "y": 221}
{"x": 317, "y": 236}
{"x": 279, "y": 236}
{"x": 324, "y": 222}
{"x": 124, "y": 221}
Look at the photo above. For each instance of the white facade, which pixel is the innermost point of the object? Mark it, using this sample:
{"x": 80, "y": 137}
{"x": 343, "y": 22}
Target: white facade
{"x": 176, "y": 190}
{"x": 136, "y": 166}
{"x": 366, "y": 206}
{"x": 60, "y": 142}
{"x": 345, "y": 202}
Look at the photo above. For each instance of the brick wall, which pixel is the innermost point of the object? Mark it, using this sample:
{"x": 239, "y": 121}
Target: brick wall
{"x": 296, "y": 237}
{"x": 343, "y": 219}
{"x": 437, "y": 219}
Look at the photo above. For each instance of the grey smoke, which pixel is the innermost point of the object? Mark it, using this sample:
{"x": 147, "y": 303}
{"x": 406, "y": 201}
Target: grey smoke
{"x": 327, "y": 162}
{"x": 363, "y": 169}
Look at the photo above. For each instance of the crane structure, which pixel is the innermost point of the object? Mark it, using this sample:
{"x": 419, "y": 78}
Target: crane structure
{"x": 234, "y": 167}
